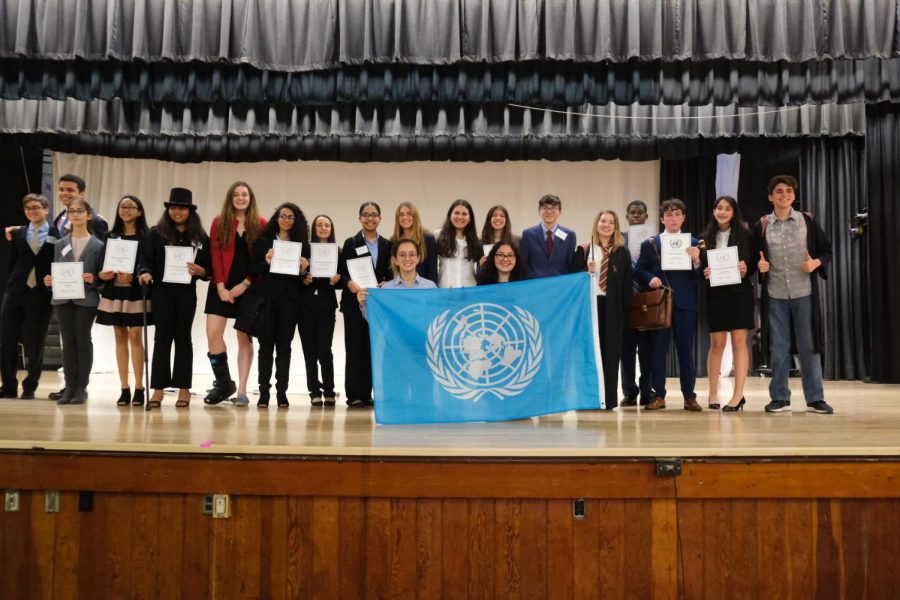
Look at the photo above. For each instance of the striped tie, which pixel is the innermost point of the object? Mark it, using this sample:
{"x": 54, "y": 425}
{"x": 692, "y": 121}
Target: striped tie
{"x": 604, "y": 269}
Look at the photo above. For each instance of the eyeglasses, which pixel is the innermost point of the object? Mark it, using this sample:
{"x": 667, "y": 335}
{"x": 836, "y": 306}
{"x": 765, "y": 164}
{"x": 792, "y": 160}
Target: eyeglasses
{"x": 127, "y": 207}
{"x": 549, "y": 208}
{"x": 505, "y": 256}
{"x": 34, "y": 208}
{"x": 77, "y": 211}
{"x": 404, "y": 255}
{"x": 287, "y": 217}
{"x": 369, "y": 216}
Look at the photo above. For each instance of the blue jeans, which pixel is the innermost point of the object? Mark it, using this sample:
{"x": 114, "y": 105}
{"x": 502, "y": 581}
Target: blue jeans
{"x": 781, "y": 313}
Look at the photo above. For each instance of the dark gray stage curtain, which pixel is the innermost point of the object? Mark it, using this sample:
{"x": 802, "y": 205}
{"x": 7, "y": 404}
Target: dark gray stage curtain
{"x": 692, "y": 180}
{"x": 543, "y": 83}
{"x": 611, "y": 121}
{"x": 288, "y": 35}
{"x": 833, "y": 187}
{"x": 883, "y": 161}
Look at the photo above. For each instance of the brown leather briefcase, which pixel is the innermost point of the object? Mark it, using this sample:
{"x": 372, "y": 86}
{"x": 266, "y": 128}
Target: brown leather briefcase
{"x": 651, "y": 310}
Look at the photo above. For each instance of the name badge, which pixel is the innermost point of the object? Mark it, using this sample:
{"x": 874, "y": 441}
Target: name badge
{"x": 360, "y": 250}
{"x": 66, "y": 250}
{"x": 561, "y": 234}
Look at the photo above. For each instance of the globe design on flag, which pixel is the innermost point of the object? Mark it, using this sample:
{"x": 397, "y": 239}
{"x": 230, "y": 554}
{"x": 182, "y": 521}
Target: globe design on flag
{"x": 484, "y": 349}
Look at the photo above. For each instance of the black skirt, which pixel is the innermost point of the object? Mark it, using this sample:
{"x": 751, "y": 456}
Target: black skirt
{"x": 240, "y": 267}
{"x": 122, "y": 306}
{"x": 730, "y": 307}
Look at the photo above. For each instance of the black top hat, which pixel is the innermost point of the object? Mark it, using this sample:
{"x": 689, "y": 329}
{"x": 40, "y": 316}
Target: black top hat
{"x": 181, "y": 197}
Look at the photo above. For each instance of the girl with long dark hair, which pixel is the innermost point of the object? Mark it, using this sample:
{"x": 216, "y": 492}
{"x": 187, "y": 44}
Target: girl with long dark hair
{"x": 459, "y": 248}
{"x": 174, "y": 303}
{"x": 285, "y": 295}
{"x": 729, "y": 308}
{"x": 503, "y": 264}
{"x": 121, "y": 303}
{"x": 317, "y": 322}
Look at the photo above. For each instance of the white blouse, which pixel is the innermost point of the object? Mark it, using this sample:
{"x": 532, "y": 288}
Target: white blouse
{"x": 456, "y": 271}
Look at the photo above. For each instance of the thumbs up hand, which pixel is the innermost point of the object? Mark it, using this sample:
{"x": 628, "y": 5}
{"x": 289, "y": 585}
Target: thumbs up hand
{"x": 763, "y": 264}
{"x": 811, "y": 264}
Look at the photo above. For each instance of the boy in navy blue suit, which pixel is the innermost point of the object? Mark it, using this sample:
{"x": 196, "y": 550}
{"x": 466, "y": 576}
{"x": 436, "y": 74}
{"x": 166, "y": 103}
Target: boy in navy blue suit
{"x": 548, "y": 248}
{"x": 648, "y": 272}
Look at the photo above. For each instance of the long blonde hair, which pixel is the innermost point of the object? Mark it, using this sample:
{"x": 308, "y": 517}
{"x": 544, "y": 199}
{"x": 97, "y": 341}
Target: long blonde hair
{"x": 618, "y": 240}
{"x": 417, "y": 235}
{"x": 226, "y": 217}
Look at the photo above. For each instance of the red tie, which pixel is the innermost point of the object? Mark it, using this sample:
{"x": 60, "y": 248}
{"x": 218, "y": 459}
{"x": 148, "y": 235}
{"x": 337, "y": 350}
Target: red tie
{"x": 604, "y": 269}
{"x": 549, "y": 242}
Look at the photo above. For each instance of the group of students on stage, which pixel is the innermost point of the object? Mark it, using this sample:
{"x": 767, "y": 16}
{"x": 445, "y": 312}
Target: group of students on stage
{"x": 787, "y": 248}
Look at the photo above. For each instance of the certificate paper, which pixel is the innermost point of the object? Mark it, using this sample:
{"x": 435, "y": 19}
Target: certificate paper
{"x": 120, "y": 255}
{"x": 637, "y": 235}
{"x": 674, "y": 251}
{"x": 323, "y": 260}
{"x": 286, "y": 257}
{"x": 486, "y": 248}
{"x": 362, "y": 272}
{"x": 68, "y": 280}
{"x": 177, "y": 258}
{"x": 723, "y": 266}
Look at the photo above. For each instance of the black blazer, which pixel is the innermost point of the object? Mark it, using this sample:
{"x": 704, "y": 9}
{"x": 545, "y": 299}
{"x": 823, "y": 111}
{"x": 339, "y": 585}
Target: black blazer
{"x": 22, "y": 260}
{"x": 382, "y": 267}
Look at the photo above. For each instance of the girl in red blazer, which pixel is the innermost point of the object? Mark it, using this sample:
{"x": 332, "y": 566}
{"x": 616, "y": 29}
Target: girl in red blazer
{"x": 232, "y": 236}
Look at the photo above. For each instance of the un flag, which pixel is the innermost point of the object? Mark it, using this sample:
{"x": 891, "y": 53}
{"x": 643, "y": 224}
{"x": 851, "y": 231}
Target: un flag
{"x": 489, "y": 353}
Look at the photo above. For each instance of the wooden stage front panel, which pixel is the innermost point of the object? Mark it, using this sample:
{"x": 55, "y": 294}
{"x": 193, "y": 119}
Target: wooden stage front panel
{"x": 366, "y": 528}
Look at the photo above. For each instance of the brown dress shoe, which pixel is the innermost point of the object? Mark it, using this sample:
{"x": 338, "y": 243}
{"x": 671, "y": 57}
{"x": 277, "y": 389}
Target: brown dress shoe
{"x": 691, "y": 405}
{"x": 657, "y": 404}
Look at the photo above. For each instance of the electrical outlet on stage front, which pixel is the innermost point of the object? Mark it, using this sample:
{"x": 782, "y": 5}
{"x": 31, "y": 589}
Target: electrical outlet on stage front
{"x": 12, "y": 501}
{"x": 221, "y": 506}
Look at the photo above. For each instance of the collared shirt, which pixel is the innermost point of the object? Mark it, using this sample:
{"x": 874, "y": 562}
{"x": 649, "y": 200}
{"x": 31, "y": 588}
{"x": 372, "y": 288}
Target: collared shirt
{"x": 456, "y": 271}
{"x": 722, "y": 238}
{"x": 373, "y": 249}
{"x": 786, "y": 239}
{"x": 397, "y": 284}
{"x": 42, "y": 233}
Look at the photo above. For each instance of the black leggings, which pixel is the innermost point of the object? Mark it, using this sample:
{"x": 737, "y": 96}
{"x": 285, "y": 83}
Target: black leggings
{"x": 316, "y": 333}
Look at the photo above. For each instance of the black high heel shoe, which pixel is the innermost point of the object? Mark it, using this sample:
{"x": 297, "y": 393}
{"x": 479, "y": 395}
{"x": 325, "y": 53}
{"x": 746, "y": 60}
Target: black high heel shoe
{"x": 263, "y": 401}
{"x": 124, "y": 397}
{"x": 735, "y": 408}
{"x": 713, "y": 405}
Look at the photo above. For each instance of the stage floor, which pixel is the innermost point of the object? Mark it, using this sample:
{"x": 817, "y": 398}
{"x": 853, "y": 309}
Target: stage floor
{"x": 865, "y": 424}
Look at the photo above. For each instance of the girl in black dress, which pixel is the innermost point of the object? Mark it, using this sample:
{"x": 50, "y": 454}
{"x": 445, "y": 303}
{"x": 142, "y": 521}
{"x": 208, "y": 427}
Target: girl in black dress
{"x": 232, "y": 235}
{"x": 174, "y": 303}
{"x": 121, "y": 304}
{"x": 285, "y": 295}
{"x": 729, "y": 308}
{"x": 317, "y": 322}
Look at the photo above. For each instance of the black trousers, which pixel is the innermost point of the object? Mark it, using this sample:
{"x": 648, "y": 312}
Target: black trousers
{"x": 173, "y": 307}
{"x": 279, "y": 324}
{"x": 316, "y": 334}
{"x": 24, "y": 317}
{"x": 610, "y": 350}
{"x": 358, "y": 371}
{"x": 636, "y": 341}
{"x": 75, "y": 324}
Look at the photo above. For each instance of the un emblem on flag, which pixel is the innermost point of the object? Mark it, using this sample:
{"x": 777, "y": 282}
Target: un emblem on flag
{"x": 484, "y": 349}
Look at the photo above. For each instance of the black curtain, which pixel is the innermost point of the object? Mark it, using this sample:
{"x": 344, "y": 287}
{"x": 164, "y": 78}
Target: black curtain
{"x": 883, "y": 178}
{"x": 693, "y": 180}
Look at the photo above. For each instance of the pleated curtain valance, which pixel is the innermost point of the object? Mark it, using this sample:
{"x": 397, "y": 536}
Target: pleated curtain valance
{"x": 289, "y": 35}
{"x": 547, "y": 83}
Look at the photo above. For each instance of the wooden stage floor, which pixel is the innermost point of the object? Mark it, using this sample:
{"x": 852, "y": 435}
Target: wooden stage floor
{"x": 865, "y": 424}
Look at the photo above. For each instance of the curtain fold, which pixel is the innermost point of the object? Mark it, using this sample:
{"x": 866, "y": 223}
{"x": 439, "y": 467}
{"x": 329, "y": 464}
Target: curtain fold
{"x": 491, "y": 121}
{"x": 547, "y": 83}
{"x": 833, "y": 187}
{"x": 879, "y": 241}
{"x": 297, "y": 36}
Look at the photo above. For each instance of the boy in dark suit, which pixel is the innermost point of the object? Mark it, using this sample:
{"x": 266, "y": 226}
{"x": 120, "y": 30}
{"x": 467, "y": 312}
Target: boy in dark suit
{"x": 648, "y": 271}
{"x": 26, "y": 303}
{"x": 548, "y": 248}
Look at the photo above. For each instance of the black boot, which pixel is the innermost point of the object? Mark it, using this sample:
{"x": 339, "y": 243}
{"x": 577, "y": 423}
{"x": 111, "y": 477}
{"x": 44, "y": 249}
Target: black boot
{"x": 263, "y": 401}
{"x": 224, "y": 386}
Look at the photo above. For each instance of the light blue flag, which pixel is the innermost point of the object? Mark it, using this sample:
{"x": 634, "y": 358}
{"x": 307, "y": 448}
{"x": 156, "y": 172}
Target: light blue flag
{"x": 488, "y": 353}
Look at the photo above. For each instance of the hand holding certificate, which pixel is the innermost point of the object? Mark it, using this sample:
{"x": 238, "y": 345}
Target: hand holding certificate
{"x": 362, "y": 272}
{"x": 176, "y": 267}
{"x": 68, "y": 280}
{"x": 673, "y": 252}
{"x": 286, "y": 257}
{"x": 723, "y": 266}
{"x": 120, "y": 255}
{"x": 323, "y": 260}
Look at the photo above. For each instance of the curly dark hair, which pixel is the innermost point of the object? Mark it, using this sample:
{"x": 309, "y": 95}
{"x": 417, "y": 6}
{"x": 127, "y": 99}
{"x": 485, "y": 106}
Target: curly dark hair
{"x": 299, "y": 230}
{"x": 489, "y": 273}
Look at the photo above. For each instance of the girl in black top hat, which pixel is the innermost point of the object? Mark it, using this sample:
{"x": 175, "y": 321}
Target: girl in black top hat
{"x": 174, "y": 303}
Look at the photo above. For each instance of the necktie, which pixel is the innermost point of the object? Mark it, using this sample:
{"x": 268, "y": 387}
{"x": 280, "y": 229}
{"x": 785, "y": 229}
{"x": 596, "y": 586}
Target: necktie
{"x": 549, "y": 242}
{"x": 32, "y": 276}
{"x": 63, "y": 222}
{"x": 604, "y": 269}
